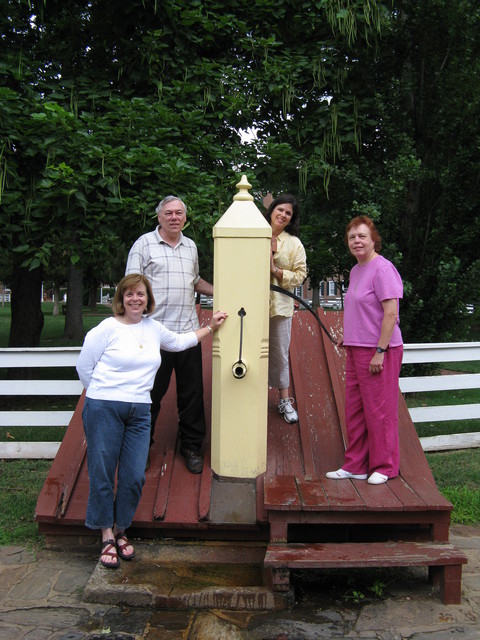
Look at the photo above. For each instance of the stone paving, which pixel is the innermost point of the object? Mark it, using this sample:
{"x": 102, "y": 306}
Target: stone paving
{"x": 42, "y": 597}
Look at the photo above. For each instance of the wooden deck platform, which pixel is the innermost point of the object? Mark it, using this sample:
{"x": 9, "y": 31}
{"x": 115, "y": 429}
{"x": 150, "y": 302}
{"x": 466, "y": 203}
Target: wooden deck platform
{"x": 293, "y": 492}
{"x": 296, "y": 489}
{"x": 293, "y": 501}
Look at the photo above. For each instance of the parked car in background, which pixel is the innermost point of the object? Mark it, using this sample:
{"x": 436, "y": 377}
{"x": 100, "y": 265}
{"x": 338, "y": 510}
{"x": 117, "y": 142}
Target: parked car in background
{"x": 206, "y": 301}
{"x": 332, "y": 303}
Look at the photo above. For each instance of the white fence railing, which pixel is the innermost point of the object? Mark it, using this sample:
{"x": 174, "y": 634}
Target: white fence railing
{"x": 35, "y": 358}
{"x": 67, "y": 357}
{"x": 444, "y": 352}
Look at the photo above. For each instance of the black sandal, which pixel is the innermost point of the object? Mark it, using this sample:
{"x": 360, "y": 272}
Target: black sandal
{"x": 122, "y": 542}
{"x": 109, "y": 549}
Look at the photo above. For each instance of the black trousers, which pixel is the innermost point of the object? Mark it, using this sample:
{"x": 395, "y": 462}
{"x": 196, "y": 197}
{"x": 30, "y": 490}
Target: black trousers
{"x": 191, "y": 413}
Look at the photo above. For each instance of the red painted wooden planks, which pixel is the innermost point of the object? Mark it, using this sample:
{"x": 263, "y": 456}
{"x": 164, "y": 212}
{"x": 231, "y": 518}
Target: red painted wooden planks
{"x": 281, "y": 493}
{"x": 54, "y": 499}
{"x": 371, "y": 554}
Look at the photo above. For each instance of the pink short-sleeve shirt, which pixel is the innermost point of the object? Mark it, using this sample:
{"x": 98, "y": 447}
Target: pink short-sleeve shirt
{"x": 370, "y": 284}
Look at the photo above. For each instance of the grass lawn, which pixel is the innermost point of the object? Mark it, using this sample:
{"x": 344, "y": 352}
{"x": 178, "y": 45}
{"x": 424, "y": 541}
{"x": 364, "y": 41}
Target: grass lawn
{"x": 20, "y": 484}
{"x": 456, "y": 473}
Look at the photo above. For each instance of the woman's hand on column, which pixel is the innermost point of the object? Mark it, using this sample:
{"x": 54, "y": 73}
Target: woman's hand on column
{"x": 218, "y": 318}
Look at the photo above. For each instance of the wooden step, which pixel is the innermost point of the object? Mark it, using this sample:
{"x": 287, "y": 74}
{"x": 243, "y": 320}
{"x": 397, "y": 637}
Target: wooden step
{"x": 444, "y": 561}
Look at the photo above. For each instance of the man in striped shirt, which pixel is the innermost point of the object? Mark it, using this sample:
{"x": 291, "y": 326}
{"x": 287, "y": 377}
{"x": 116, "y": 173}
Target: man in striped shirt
{"x": 170, "y": 261}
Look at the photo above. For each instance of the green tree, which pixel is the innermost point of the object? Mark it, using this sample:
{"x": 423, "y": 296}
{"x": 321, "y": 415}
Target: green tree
{"x": 424, "y": 165}
{"x": 109, "y": 104}
{"x": 359, "y": 107}
{"x": 417, "y": 171}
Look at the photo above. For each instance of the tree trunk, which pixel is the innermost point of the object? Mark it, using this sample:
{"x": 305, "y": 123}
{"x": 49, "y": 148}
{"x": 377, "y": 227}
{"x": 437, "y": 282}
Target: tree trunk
{"x": 73, "y": 314}
{"x": 92, "y": 290}
{"x": 56, "y": 300}
{"x": 27, "y": 317}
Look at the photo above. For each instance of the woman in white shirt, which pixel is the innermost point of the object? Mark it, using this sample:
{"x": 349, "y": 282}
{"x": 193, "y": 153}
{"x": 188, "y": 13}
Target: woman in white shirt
{"x": 117, "y": 367}
{"x": 288, "y": 269}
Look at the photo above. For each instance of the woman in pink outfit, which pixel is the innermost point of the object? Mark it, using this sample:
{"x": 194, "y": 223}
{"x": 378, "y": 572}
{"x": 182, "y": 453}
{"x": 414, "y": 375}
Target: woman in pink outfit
{"x": 372, "y": 338}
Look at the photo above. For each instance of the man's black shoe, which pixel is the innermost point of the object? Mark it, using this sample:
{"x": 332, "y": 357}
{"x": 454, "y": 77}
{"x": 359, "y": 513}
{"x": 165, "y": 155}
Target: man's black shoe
{"x": 193, "y": 460}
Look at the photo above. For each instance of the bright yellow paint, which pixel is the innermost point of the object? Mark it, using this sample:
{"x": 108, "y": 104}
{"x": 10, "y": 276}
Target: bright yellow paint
{"x": 241, "y": 281}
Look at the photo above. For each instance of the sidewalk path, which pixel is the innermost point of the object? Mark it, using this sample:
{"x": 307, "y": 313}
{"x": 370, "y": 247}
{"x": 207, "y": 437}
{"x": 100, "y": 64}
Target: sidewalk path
{"x": 41, "y": 598}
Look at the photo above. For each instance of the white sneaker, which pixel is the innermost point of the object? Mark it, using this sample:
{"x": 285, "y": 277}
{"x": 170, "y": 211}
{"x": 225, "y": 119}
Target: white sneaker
{"x": 341, "y": 474}
{"x": 377, "y": 478}
{"x": 289, "y": 413}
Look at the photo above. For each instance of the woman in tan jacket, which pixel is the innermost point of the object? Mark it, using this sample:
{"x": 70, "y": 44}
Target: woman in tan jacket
{"x": 288, "y": 269}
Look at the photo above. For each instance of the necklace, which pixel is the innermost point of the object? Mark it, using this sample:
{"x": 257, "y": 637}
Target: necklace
{"x": 139, "y": 340}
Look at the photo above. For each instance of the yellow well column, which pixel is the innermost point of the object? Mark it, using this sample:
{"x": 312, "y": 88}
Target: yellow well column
{"x": 240, "y": 371}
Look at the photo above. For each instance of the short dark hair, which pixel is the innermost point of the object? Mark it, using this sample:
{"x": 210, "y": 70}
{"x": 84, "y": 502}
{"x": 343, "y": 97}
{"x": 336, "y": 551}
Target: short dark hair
{"x": 356, "y": 222}
{"x": 128, "y": 282}
{"x": 293, "y": 226}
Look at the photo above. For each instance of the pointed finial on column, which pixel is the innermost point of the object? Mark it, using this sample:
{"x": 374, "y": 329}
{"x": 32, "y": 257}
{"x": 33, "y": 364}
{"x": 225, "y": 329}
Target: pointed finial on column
{"x": 243, "y": 186}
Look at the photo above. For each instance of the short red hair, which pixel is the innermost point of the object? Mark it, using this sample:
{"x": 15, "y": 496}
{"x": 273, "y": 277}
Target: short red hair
{"x": 356, "y": 222}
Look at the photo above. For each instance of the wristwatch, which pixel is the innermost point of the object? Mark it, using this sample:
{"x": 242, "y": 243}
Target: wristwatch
{"x": 380, "y": 350}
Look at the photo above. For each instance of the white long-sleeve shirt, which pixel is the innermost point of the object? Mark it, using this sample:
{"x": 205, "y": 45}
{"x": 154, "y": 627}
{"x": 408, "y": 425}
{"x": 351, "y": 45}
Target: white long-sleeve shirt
{"x": 119, "y": 361}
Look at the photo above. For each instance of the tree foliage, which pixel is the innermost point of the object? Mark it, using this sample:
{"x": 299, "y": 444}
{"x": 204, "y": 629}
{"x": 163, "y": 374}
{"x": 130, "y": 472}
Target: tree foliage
{"x": 357, "y": 106}
{"x": 428, "y": 143}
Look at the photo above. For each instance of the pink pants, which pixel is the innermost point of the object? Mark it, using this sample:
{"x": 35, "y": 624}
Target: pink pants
{"x": 371, "y": 412}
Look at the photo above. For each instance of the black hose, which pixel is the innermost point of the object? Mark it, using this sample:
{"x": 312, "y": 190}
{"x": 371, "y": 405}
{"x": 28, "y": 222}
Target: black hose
{"x": 273, "y": 287}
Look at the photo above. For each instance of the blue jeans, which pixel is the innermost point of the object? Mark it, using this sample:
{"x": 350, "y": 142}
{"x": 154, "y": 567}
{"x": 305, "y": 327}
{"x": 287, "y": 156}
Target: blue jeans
{"x": 118, "y": 435}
